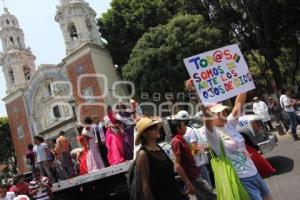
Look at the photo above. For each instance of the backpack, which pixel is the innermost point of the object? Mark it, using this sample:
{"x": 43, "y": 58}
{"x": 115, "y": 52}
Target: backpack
{"x": 132, "y": 181}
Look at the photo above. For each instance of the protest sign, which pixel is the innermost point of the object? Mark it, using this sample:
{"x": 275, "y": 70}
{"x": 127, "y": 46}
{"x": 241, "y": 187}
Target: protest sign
{"x": 219, "y": 74}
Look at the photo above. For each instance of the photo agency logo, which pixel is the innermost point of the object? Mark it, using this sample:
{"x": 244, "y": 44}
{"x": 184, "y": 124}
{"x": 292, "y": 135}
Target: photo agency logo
{"x": 65, "y": 107}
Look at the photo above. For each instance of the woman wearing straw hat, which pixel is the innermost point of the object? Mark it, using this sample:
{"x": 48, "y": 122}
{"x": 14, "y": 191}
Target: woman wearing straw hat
{"x": 155, "y": 171}
{"x": 219, "y": 125}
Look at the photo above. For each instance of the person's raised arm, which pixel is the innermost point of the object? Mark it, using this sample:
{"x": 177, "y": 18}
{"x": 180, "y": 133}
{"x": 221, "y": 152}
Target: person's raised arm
{"x": 207, "y": 116}
{"x": 239, "y": 105}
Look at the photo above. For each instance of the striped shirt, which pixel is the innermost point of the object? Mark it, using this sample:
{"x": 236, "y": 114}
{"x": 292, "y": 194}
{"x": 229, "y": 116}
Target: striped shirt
{"x": 39, "y": 185}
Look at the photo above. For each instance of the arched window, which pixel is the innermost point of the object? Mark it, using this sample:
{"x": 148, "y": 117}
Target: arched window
{"x": 56, "y": 111}
{"x": 73, "y": 31}
{"x": 26, "y": 73}
{"x": 11, "y": 39}
{"x": 7, "y": 21}
{"x": 11, "y": 75}
{"x": 88, "y": 24}
{"x": 49, "y": 89}
{"x": 5, "y": 43}
{"x": 19, "y": 42}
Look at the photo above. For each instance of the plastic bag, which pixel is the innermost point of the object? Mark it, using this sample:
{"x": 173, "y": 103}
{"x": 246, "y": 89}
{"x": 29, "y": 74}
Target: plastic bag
{"x": 228, "y": 184}
{"x": 263, "y": 166}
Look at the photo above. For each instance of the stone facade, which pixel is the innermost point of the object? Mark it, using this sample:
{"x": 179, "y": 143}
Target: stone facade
{"x": 19, "y": 127}
{"x": 52, "y": 98}
{"x": 86, "y": 87}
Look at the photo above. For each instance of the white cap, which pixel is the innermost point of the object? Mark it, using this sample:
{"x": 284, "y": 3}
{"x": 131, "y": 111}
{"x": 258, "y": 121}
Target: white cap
{"x": 182, "y": 115}
{"x": 217, "y": 108}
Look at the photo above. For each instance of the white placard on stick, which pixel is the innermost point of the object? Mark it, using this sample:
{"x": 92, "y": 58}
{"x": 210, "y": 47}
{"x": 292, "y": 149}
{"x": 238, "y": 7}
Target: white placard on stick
{"x": 219, "y": 74}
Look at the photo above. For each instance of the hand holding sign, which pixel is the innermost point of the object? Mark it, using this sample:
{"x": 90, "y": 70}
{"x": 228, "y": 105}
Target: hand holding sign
{"x": 189, "y": 85}
{"x": 219, "y": 74}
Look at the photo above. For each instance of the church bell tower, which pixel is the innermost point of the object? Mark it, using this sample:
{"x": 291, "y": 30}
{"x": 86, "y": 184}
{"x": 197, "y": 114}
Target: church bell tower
{"x": 18, "y": 65}
{"x": 17, "y": 60}
{"x": 77, "y": 22}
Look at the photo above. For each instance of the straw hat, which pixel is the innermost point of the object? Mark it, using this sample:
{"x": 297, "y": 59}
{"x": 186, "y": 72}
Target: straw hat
{"x": 132, "y": 101}
{"x": 142, "y": 125}
{"x": 217, "y": 108}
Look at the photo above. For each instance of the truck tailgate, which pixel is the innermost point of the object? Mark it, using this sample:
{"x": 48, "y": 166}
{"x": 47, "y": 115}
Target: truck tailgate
{"x": 103, "y": 173}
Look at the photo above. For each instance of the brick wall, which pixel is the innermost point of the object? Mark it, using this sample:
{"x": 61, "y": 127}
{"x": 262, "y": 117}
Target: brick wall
{"x": 17, "y": 117}
{"x": 84, "y": 65}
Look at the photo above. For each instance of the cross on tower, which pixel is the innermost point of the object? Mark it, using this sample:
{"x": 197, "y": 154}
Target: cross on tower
{"x": 4, "y": 3}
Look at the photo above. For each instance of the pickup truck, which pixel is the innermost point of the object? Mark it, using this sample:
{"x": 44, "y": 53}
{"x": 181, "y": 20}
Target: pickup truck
{"x": 252, "y": 129}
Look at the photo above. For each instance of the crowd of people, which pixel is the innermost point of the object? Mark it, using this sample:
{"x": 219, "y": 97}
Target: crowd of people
{"x": 104, "y": 143}
{"x": 107, "y": 142}
{"x": 110, "y": 141}
{"x": 283, "y": 111}
{"x": 154, "y": 165}
{"x": 39, "y": 188}
{"x": 155, "y": 169}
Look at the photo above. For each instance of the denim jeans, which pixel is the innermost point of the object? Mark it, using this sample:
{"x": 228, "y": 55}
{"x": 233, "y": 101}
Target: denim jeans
{"x": 293, "y": 122}
{"x": 205, "y": 174}
{"x": 256, "y": 187}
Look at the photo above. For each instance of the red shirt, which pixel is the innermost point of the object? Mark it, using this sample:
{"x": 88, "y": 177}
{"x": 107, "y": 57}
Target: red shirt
{"x": 20, "y": 189}
{"x": 181, "y": 148}
{"x": 31, "y": 157}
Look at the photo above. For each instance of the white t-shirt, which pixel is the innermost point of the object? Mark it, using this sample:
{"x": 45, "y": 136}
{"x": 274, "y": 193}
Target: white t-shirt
{"x": 40, "y": 152}
{"x": 234, "y": 145}
{"x": 261, "y": 109}
{"x": 192, "y": 136}
{"x": 286, "y": 101}
{"x": 9, "y": 196}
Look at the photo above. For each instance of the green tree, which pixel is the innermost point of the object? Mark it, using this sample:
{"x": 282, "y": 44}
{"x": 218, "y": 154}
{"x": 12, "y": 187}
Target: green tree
{"x": 268, "y": 27}
{"x": 156, "y": 63}
{"x": 259, "y": 70}
{"x": 7, "y": 152}
{"x": 127, "y": 20}
{"x": 263, "y": 25}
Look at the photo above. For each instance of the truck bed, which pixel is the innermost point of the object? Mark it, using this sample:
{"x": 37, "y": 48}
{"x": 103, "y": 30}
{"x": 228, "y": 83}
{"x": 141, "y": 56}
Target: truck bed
{"x": 103, "y": 173}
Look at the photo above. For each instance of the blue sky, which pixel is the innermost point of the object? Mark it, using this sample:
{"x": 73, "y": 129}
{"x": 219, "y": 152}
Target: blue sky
{"x": 42, "y": 33}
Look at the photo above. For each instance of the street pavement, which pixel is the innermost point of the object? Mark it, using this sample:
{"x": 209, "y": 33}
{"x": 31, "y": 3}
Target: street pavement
{"x": 285, "y": 183}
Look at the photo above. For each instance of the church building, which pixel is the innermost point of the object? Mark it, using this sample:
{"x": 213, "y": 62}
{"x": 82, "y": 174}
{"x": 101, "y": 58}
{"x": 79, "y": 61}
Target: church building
{"x": 49, "y": 98}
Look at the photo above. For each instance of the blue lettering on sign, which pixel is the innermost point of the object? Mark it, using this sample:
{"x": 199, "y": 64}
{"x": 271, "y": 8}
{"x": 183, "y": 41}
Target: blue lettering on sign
{"x": 243, "y": 123}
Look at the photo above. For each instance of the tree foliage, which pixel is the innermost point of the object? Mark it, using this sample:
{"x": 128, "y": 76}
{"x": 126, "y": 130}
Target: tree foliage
{"x": 266, "y": 29}
{"x": 156, "y": 62}
{"x": 7, "y": 152}
{"x": 263, "y": 25}
{"x": 127, "y": 20}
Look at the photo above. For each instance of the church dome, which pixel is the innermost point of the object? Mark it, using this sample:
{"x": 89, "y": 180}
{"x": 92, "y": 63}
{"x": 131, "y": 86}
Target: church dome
{"x": 70, "y": 1}
{"x": 8, "y": 20}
